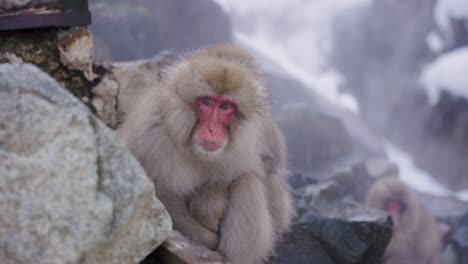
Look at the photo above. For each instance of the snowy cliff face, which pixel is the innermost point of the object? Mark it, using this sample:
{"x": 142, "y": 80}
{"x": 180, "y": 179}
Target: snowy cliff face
{"x": 448, "y": 71}
{"x": 296, "y": 38}
{"x": 447, "y": 10}
{"x": 298, "y": 28}
{"x": 295, "y": 35}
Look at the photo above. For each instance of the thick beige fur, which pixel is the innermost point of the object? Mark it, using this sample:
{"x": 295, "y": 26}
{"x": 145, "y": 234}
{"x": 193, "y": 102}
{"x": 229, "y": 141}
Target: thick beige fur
{"x": 236, "y": 200}
{"x": 416, "y": 237}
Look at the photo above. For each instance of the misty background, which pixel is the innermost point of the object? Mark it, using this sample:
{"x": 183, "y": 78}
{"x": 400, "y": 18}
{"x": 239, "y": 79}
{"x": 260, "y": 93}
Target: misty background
{"x": 371, "y": 78}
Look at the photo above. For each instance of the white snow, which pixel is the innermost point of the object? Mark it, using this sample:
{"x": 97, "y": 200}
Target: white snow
{"x": 446, "y": 9}
{"x": 435, "y": 42}
{"x": 448, "y": 72}
{"x": 295, "y": 35}
{"x": 417, "y": 178}
{"x": 326, "y": 83}
{"x": 462, "y": 195}
{"x": 412, "y": 175}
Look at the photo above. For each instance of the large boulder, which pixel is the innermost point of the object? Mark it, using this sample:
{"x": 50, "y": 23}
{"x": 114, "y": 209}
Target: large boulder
{"x": 69, "y": 191}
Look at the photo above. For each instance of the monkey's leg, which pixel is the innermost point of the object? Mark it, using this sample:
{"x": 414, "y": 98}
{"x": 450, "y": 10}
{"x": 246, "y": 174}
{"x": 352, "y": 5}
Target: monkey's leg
{"x": 184, "y": 222}
{"x": 207, "y": 205}
{"x": 246, "y": 229}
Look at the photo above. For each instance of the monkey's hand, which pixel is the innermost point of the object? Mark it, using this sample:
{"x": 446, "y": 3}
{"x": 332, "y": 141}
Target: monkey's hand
{"x": 208, "y": 238}
{"x": 246, "y": 229}
{"x": 185, "y": 223}
{"x": 207, "y": 205}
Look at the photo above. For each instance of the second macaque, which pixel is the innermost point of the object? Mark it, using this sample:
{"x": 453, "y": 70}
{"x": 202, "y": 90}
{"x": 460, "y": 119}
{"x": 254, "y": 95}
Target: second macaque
{"x": 416, "y": 237}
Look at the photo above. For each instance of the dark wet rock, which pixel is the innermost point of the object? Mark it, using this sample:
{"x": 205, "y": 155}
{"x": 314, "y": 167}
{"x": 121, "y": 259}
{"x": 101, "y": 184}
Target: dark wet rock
{"x": 460, "y": 238}
{"x": 330, "y": 228}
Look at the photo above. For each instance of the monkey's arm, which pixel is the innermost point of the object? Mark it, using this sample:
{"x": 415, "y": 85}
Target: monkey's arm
{"x": 246, "y": 229}
{"x": 280, "y": 202}
{"x": 184, "y": 222}
{"x": 274, "y": 163}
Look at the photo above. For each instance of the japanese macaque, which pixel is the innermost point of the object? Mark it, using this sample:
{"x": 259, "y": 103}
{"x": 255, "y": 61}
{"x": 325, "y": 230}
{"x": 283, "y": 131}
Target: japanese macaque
{"x": 207, "y": 139}
{"x": 416, "y": 237}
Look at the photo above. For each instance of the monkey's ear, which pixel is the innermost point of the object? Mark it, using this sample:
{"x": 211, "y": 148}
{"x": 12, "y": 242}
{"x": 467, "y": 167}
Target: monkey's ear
{"x": 234, "y": 54}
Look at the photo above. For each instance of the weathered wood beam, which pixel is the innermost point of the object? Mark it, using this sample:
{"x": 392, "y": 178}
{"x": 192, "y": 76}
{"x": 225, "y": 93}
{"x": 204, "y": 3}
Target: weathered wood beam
{"x": 177, "y": 249}
{"x": 63, "y": 13}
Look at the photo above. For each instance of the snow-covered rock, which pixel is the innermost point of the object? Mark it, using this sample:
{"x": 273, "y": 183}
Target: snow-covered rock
{"x": 444, "y": 10}
{"x": 448, "y": 72}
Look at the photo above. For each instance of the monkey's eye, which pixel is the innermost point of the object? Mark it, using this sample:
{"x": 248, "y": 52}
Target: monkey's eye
{"x": 206, "y": 100}
{"x": 225, "y": 105}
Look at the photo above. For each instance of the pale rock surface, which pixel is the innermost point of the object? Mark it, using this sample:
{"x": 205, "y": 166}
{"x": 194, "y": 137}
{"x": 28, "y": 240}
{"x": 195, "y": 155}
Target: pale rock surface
{"x": 69, "y": 191}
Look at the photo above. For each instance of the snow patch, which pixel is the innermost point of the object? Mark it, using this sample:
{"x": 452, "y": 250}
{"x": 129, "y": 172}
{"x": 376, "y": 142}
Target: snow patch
{"x": 435, "y": 42}
{"x": 444, "y": 10}
{"x": 448, "y": 72}
{"x": 296, "y": 35}
{"x": 412, "y": 175}
{"x": 417, "y": 178}
{"x": 325, "y": 83}
{"x": 462, "y": 195}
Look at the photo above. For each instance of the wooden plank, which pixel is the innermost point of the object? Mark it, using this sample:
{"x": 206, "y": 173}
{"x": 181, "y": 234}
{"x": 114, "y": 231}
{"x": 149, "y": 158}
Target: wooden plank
{"x": 177, "y": 249}
{"x": 18, "y": 22}
{"x": 63, "y": 13}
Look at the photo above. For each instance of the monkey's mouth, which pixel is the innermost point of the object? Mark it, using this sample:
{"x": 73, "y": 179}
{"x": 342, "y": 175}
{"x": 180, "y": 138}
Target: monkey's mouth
{"x": 210, "y": 145}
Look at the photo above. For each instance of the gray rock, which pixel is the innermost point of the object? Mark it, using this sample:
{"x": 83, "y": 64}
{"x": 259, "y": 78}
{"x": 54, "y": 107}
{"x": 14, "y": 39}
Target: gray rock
{"x": 317, "y": 142}
{"x": 322, "y": 138}
{"x": 357, "y": 180}
{"x": 460, "y": 238}
{"x": 76, "y": 50}
{"x": 455, "y": 214}
{"x": 332, "y": 229}
{"x": 69, "y": 191}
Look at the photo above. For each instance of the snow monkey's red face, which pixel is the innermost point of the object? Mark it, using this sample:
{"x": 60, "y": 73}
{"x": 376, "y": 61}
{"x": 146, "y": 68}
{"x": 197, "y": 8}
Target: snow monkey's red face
{"x": 215, "y": 113}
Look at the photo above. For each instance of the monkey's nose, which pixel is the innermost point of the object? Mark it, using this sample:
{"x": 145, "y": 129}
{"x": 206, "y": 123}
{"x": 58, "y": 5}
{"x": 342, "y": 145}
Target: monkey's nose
{"x": 213, "y": 129}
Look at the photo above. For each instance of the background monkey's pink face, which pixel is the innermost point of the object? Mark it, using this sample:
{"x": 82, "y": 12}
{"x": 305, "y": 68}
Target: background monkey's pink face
{"x": 394, "y": 208}
{"x": 215, "y": 114}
